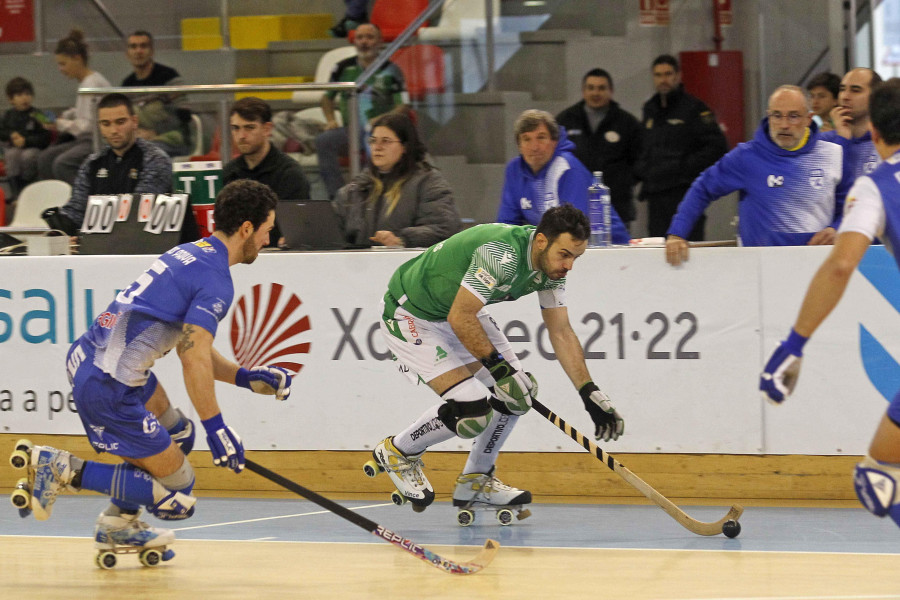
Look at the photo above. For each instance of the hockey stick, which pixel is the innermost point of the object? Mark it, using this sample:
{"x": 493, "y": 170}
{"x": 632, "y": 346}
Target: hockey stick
{"x": 482, "y": 560}
{"x": 689, "y": 523}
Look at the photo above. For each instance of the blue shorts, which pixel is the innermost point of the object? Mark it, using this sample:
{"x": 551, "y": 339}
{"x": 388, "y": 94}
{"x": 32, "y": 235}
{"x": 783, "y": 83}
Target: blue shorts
{"x": 114, "y": 415}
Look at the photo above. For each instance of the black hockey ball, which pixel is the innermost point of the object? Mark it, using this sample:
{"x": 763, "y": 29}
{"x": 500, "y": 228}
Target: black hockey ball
{"x": 731, "y": 528}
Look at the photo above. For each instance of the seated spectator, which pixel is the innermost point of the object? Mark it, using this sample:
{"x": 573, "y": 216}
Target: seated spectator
{"x": 76, "y": 125}
{"x": 399, "y": 199}
{"x": 823, "y": 94}
{"x": 546, "y": 174}
{"x": 24, "y": 134}
{"x": 792, "y": 183}
{"x": 384, "y": 92}
{"x": 260, "y": 160}
{"x": 160, "y": 120}
{"x": 129, "y": 165}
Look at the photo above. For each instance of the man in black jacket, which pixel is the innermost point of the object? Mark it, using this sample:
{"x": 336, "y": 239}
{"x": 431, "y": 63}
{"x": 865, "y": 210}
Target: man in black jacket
{"x": 681, "y": 139}
{"x": 251, "y": 128}
{"x": 607, "y": 138}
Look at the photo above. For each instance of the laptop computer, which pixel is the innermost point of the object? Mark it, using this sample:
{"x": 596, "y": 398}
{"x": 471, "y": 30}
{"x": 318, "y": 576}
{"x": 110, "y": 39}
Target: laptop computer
{"x": 310, "y": 225}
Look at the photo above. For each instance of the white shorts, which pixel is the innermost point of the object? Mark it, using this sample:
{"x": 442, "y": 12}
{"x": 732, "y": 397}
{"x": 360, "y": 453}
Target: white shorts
{"x": 424, "y": 349}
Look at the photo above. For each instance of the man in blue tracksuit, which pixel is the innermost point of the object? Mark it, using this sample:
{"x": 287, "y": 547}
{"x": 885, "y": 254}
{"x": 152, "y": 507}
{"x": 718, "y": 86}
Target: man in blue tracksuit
{"x": 851, "y": 120}
{"x": 546, "y": 174}
{"x": 792, "y": 183}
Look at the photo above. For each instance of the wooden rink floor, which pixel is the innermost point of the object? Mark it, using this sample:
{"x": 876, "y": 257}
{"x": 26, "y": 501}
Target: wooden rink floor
{"x": 290, "y": 548}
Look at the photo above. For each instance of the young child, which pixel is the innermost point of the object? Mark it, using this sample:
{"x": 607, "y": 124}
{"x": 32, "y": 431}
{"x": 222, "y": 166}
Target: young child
{"x": 24, "y": 133}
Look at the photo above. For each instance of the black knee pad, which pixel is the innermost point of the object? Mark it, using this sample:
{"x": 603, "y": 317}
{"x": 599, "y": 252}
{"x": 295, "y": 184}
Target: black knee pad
{"x": 467, "y": 419}
{"x": 499, "y": 405}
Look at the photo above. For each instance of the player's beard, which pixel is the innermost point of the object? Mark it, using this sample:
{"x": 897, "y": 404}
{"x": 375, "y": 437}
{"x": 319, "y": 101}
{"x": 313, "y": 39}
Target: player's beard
{"x": 250, "y": 251}
{"x": 544, "y": 266}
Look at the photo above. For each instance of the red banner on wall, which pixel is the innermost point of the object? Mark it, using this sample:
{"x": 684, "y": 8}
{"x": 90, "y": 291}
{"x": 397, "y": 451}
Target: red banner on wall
{"x": 654, "y": 12}
{"x": 16, "y": 21}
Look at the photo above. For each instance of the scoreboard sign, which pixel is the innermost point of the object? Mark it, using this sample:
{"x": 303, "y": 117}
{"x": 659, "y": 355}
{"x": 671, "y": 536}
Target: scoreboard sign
{"x": 201, "y": 181}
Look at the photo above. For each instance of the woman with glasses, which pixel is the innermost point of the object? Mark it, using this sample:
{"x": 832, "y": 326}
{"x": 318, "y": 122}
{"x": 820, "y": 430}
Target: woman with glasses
{"x": 399, "y": 199}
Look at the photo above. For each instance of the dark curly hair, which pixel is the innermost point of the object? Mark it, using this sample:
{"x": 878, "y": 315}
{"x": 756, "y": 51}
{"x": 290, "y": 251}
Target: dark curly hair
{"x": 564, "y": 218}
{"x": 240, "y": 201}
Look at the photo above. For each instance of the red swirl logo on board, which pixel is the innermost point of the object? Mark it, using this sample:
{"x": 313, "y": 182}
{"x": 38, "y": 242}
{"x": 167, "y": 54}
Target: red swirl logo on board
{"x": 266, "y": 328}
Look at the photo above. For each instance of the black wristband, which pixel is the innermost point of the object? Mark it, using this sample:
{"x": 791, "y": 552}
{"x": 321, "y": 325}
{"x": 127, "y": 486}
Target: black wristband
{"x": 586, "y": 390}
{"x": 498, "y": 366}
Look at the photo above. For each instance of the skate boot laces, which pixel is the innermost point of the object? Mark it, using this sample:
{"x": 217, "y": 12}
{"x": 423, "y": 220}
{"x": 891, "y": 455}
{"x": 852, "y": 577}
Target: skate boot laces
{"x": 407, "y": 467}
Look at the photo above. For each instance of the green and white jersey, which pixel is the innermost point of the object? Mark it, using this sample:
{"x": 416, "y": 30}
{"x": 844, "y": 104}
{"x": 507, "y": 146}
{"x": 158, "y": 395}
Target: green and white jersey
{"x": 492, "y": 261}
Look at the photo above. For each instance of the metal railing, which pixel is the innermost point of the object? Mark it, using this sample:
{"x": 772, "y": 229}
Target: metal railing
{"x": 353, "y": 89}
{"x": 224, "y": 104}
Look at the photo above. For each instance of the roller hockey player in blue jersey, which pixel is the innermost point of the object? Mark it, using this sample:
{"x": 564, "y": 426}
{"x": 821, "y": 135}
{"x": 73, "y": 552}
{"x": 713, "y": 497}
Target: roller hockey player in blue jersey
{"x": 792, "y": 183}
{"x": 873, "y": 211}
{"x": 177, "y": 303}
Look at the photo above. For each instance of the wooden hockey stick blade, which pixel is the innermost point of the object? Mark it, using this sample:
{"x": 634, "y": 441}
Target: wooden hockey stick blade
{"x": 481, "y": 560}
{"x": 685, "y": 520}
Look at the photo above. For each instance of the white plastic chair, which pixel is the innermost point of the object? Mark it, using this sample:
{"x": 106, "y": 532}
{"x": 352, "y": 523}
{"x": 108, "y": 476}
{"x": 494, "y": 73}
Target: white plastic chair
{"x": 323, "y": 74}
{"x": 38, "y": 197}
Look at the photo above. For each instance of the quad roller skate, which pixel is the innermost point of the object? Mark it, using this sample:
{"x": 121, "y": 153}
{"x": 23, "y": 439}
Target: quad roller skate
{"x": 48, "y": 472}
{"x": 405, "y": 472}
{"x": 127, "y": 534}
{"x": 483, "y": 491}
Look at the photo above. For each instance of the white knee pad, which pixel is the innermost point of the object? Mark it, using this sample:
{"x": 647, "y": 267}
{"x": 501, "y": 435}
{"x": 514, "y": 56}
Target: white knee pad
{"x": 171, "y": 495}
{"x": 876, "y": 486}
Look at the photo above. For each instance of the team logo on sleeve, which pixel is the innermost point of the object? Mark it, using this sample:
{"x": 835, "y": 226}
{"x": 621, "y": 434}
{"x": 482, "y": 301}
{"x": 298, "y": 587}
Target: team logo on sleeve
{"x": 486, "y": 278}
{"x": 775, "y": 180}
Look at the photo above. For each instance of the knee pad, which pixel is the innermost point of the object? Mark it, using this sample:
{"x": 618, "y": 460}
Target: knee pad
{"x": 876, "y": 487}
{"x": 171, "y": 495}
{"x": 466, "y": 409}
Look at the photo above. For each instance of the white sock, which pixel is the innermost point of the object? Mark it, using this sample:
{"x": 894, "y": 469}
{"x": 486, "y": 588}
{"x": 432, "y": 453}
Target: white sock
{"x": 486, "y": 446}
{"x": 426, "y": 431}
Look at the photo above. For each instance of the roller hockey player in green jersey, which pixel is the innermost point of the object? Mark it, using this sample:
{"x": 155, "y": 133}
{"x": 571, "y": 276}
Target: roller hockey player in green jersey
{"x": 437, "y": 325}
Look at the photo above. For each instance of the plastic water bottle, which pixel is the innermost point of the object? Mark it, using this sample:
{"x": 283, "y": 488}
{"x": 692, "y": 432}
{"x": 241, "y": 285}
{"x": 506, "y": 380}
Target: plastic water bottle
{"x": 599, "y": 213}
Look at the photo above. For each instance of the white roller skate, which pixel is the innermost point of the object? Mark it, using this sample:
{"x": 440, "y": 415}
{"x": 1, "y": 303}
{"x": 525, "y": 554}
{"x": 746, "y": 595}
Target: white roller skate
{"x": 49, "y": 472}
{"x": 406, "y": 473}
{"x": 127, "y": 534}
{"x": 483, "y": 491}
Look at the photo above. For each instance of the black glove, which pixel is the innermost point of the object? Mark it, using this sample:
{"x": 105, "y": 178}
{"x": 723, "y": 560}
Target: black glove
{"x": 57, "y": 220}
{"x": 608, "y": 422}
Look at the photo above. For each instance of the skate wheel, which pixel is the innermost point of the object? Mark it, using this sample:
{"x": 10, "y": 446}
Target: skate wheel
{"x": 106, "y": 560}
{"x": 398, "y": 498}
{"x": 504, "y": 516}
{"x": 19, "y": 459}
{"x": 20, "y": 498}
{"x": 24, "y": 445}
{"x": 150, "y": 557}
{"x": 523, "y": 514}
{"x": 371, "y": 468}
{"x": 465, "y": 517}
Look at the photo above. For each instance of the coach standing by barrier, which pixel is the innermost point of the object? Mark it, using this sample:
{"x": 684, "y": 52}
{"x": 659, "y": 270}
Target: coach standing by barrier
{"x": 792, "y": 182}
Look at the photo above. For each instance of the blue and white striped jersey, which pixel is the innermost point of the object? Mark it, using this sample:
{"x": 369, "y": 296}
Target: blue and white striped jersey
{"x": 190, "y": 283}
{"x": 786, "y": 196}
